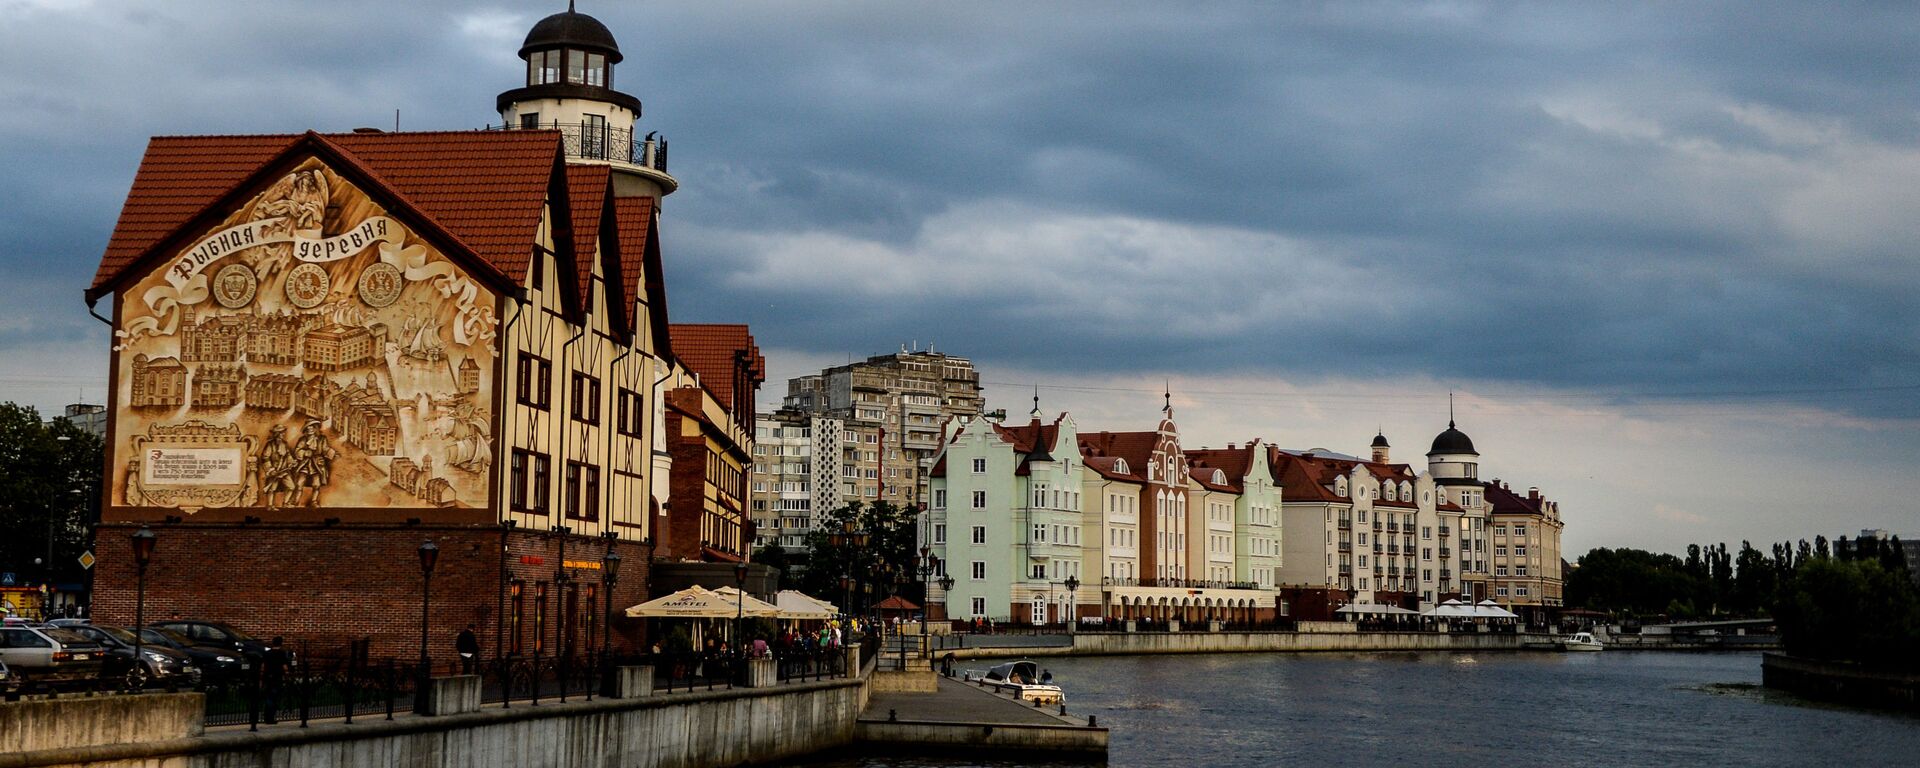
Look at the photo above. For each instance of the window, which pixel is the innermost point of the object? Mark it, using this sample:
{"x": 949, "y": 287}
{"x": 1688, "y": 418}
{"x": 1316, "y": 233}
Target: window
{"x": 979, "y": 534}
{"x": 534, "y": 381}
{"x": 1039, "y": 533}
{"x": 940, "y": 498}
{"x": 1500, "y": 570}
{"x": 593, "y": 135}
{"x": 1520, "y": 550}
{"x": 1426, "y": 531}
{"x": 1039, "y": 571}
{"x": 529, "y": 119}
{"x": 979, "y": 606}
{"x": 586, "y": 398}
{"x": 542, "y": 474}
{"x": 1499, "y": 530}
{"x": 1426, "y": 553}
{"x": 583, "y": 491}
{"x": 939, "y": 533}
{"x": 596, "y": 69}
{"x": 1519, "y": 570}
{"x": 1519, "y": 530}
{"x": 1520, "y": 591}
{"x": 517, "y": 466}
{"x": 979, "y": 570}
{"x": 632, "y": 412}
{"x": 979, "y": 466}
{"x": 979, "y": 499}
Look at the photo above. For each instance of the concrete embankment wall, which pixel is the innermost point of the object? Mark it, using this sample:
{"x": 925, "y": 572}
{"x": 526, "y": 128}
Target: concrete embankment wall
{"x": 1131, "y": 643}
{"x": 1841, "y": 682}
{"x": 694, "y": 730}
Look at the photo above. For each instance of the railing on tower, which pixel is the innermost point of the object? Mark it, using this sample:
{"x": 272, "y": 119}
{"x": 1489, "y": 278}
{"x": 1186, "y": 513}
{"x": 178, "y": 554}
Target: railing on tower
{"x": 599, "y": 141}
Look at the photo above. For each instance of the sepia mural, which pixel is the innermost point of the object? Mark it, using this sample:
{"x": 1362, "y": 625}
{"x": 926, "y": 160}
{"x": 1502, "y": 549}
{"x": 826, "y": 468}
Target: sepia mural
{"x": 308, "y": 352}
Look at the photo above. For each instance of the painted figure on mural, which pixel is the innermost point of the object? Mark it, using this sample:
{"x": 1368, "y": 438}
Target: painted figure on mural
{"x": 300, "y": 200}
{"x": 275, "y": 461}
{"x": 312, "y": 462}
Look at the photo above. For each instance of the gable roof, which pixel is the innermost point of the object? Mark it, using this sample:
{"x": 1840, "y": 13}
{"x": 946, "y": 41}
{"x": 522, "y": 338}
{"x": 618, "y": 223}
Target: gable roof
{"x": 484, "y": 188}
{"x": 1233, "y": 461}
{"x": 1504, "y": 501}
{"x": 712, "y": 350}
{"x": 637, "y": 222}
{"x": 589, "y": 187}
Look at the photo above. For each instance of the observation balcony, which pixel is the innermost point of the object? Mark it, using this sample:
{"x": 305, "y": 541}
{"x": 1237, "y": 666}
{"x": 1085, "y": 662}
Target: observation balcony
{"x": 614, "y": 146}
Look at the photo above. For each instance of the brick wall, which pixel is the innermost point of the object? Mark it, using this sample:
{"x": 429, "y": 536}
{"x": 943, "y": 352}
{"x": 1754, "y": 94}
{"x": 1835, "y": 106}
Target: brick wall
{"x": 325, "y": 587}
{"x": 686, "y": 492}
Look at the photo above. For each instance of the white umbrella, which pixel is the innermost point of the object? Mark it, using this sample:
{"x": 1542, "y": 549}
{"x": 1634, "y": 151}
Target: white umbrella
{"x": 689, "y": 603}
{"x": 802, "y": 606}
{"x": 753, "y": 608}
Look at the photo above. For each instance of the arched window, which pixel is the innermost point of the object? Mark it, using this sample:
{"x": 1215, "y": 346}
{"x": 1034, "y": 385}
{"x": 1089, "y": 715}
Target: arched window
{"x": 1219, "y": 477}
{"x": 1340, "y": 486}
{"x": 1120, "y": 466}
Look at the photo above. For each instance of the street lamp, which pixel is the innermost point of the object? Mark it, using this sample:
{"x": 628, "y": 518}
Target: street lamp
{"x": 609, "y": 573}
{"x": 429, "y": 554}
{"x": 739, "y": 609}
{"x": 143, "y": 541}
{"x": 928, "y": 565}
{"x": 946, "y": 588}
{"x": 1073, "y": 604}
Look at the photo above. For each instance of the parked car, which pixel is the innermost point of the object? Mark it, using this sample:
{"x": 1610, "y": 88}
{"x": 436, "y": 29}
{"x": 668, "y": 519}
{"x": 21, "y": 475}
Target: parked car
{"x": 158, "y": 663}
{"x": 216, "y": 634}
{"x": 218, "y": 666}
{"x": 50, "y": 656}
{"x": 69, "y": 623}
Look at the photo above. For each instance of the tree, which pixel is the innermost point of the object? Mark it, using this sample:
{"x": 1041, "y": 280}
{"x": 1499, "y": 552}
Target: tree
{"x": 775, "y": 556}
{"x": 1854, "y": 611}
{"x": 863, "y": 572}
{"x": 49, "y": 495}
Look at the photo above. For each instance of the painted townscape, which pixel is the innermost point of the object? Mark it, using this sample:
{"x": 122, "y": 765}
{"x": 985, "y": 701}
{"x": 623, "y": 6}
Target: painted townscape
{"x": 308, "y": 351}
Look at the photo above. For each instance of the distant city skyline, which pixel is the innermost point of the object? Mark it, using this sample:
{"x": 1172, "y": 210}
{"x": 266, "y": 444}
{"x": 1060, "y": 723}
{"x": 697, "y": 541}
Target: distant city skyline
{"x": 1662, "y": 254}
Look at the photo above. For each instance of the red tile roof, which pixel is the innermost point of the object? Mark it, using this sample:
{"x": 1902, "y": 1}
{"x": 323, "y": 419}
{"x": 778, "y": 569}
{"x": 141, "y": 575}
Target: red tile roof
{"x": 640, "y": 273}
{"x": 1505, "y": 501}
{"x": 1307, "y": 477}
{"x": 711, "y": 350}
{"x": 1232, "y": 461}
{"x": 484, "y": 188}
{"x": 589, "y": 187}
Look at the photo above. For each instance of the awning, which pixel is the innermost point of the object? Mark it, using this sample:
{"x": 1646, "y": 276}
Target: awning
{"x": 689, "y": 603}
{"x": 802, "y": 606}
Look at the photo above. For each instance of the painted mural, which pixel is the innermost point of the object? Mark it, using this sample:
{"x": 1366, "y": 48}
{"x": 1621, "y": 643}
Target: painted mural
{"x": 308, "y": 352}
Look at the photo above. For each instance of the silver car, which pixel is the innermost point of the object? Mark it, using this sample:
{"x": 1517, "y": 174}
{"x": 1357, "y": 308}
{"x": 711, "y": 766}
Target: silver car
{"x": 50, "y": 656}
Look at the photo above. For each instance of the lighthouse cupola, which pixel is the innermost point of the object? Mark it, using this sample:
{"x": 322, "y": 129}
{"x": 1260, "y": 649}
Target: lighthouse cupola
{"x": 569, "y": 88}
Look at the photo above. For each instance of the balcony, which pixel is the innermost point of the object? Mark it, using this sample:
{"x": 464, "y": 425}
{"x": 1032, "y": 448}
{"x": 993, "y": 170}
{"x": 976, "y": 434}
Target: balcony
{"x": 1393, "y": 549}
{"x": 1377, "y": 548}
{"x": 1445, "y": 552}
{"x": 1376, "y": 526}
{"x": 1393, "y": 527}
{"x": 1446, "y": 531}
{"x": 581, "y": 141}
{"x": 1445, "y": 574}
{"x": 1346, "y": 524}
{"x": 1346, "y": 547}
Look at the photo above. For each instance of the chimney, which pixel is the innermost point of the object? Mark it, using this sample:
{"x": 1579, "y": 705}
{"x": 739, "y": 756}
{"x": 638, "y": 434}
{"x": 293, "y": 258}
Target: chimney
{"x": 1533, "y": 494}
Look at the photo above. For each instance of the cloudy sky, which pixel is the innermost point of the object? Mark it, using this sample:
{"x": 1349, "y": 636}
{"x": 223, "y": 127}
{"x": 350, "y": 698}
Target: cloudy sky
{"x": 1664, "y": 253}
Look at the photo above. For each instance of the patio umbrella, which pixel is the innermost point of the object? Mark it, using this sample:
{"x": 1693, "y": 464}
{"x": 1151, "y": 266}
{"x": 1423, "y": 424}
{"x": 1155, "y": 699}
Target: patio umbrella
{"x": 754, "y": 607}
{"x": 689, "y": 603}
{"x": 801, "y": 606}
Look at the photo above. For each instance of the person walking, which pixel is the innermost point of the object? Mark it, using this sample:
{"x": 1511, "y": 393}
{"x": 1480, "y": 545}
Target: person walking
{"x": 273, "y": 676}
{"x": 469, "y": 648}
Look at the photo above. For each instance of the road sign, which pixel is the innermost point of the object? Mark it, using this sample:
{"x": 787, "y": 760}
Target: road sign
{"x": 6, "y": 579}
{"x": 86, "y": 559}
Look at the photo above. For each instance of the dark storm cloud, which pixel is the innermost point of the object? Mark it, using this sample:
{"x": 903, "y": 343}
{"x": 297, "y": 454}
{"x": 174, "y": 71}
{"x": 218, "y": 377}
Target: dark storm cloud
{"x": 1601, "y": 197}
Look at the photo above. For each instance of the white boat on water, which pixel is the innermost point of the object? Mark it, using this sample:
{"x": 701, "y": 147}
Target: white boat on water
{"x": 1582, "y": 641}
{"x": 1022, "y": 679}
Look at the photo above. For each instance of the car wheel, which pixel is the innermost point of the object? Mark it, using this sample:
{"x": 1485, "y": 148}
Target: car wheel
{"x": 137, "y": 678}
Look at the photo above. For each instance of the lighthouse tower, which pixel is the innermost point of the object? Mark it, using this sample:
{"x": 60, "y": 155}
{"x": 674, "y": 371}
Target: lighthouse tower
{"x": 570, "y": 88}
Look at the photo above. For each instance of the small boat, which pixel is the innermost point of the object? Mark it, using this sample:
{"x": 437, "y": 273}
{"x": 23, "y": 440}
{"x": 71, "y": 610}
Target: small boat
{"x": 1582, "y": 641}
{"x": 1022, "y": 679}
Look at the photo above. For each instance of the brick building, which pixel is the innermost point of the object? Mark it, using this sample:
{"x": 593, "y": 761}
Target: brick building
{"x": 709, "y": 437}
{"x": 426, "y": 291}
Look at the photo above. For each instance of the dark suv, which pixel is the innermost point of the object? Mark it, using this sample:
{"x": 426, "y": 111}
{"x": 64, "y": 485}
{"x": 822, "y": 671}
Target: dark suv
{"x": 216, "y": 634}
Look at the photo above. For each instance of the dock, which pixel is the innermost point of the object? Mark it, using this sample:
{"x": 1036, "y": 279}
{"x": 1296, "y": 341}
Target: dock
{"x": 957, "y": 715}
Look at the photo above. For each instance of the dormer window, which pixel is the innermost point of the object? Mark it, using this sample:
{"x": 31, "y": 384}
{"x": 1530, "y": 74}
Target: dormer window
{"x": 1219, "y": 477}
{"x": 1120, "y": 466}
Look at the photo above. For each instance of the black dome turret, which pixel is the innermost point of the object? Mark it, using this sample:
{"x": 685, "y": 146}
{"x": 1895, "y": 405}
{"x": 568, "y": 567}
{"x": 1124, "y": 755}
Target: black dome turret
{"x": 1380, "y": 441}
{"x": 571, "y": 29}
{"x": 1452, "y": 441}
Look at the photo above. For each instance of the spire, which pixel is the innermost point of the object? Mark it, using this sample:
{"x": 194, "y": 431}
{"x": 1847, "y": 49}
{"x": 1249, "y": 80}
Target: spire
{"x": 1450, "y": 409}
{"x": 1168, "y": 408}
{"x": 570, "y": 6}
{"x": 1036, "y": 401}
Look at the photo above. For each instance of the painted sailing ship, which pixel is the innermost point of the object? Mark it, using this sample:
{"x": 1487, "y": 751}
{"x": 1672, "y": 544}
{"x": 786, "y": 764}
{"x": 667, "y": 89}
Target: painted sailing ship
{"x": 422, "y": 336}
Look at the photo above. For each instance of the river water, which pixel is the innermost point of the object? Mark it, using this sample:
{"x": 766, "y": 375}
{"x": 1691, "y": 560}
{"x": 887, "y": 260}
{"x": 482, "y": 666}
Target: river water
{"x": 1488, "y": 709}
